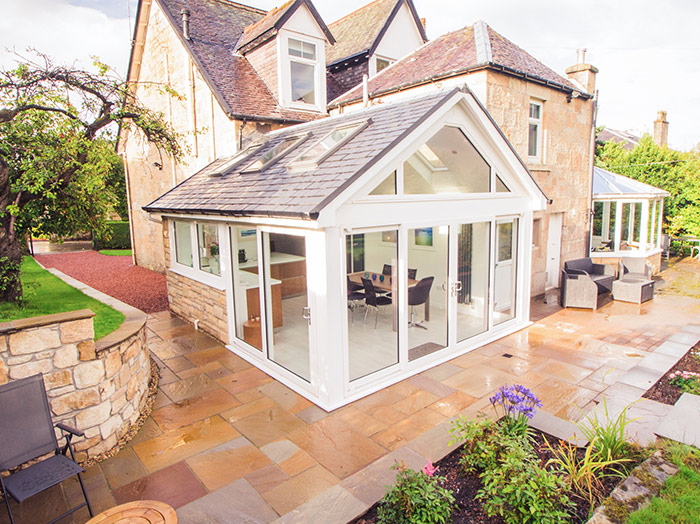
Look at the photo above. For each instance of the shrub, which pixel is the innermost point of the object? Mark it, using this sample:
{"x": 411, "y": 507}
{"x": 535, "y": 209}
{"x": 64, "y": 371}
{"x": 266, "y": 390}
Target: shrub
{"x": 522, "y": 492}
{"x": 117, "y": 237}
{"x": 687, "y": 381}
{"x": 416, "y": 497}
{"x": 607, "y": 434}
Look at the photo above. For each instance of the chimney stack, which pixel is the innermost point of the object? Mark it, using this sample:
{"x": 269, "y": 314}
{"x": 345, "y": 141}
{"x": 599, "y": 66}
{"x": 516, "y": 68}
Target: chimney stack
{"x": 185, "y": 23}
{"x": 661, "y": 129}
{"x": 582, "y": 72}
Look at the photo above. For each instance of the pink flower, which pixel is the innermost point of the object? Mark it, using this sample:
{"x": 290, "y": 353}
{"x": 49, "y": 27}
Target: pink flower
{"x": 429, "y": 469}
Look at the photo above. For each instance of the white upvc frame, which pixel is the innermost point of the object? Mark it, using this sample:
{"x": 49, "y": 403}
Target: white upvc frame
{"x": 195, "y": 272}
{"x": 284, "y": 73}
{"x": 649, "y": 214}
{"x": 373, "y": 63}
{"x": 538, "y": 122}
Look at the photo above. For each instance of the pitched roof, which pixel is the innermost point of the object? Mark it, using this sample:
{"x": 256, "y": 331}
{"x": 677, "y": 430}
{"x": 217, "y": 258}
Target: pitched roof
{"x": 267, "y": 27}
{"x": 608, "y": 183}
{"x": 215, "y": 28}
{"x": 360, "y": 31}
{"x": 472, "y": 48}
{"x": 627, "y": 140}
{"x": 304, "y": 191}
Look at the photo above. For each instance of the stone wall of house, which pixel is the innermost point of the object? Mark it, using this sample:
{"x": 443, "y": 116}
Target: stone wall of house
{"x": 196, "y": 302}
{"x": 207, "y": 132}
{"x": 564, "y": 171}
{"x": 100, "y": 388}
{"x": 264, "y": 61}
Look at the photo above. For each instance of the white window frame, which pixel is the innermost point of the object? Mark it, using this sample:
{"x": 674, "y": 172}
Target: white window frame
{"x": 195, "y": 272}
{"x": 285, "y": 73}
{"x": 538, "y": 122}
{"x": 373, "y": 64}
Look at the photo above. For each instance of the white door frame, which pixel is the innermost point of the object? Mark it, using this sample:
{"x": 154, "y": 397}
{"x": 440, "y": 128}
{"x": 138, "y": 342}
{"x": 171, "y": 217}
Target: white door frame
{"x": 553, "y": 260}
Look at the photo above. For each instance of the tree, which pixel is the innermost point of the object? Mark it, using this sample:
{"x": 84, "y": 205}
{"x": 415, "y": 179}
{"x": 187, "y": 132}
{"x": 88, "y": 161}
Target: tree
{"x": 673, "y": 171}
{"x": 57, "y": 129}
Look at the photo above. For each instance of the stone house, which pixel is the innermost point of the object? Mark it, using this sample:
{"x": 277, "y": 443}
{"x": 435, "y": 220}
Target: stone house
{"x": 240, "y": 72}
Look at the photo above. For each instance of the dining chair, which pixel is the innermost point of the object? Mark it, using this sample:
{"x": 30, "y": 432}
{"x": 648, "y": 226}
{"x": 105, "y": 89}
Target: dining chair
{"x": 418, "y": 295}
{"x": 387, "y": 269}
{"x": 373, "y": 300}
{"x": 355, "y": 295}
{"x": 412, "y": 273}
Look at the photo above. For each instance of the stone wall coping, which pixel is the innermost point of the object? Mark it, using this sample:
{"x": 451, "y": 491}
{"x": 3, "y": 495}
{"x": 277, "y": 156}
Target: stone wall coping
{"x": 134, "y": 319}
{"x": 13, "y": 326}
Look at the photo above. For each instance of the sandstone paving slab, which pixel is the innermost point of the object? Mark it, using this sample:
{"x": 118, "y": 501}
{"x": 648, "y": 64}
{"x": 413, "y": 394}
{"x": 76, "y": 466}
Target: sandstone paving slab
{"x": 123, "y": 468}
{"x": 673, "y": 349}
{"x": 658, "y": 362}
{"x": 312, "y": 414}
{"x": 619, "y": 394}
{"x": 268, "y": 425}
{"x": 641, "y": 377}
{"x": 233, "y": 503}
{"x": 266, "y": 478}
{"x": 682, "y": 423}
{"x": 297, "y": 490}
{"x": 334, "y": 506}
{"x": 692, "y": 328}
{"x": 227, "y": 462}
{"x": 408, "y": 429}
{"x": 190, "y": 387}
{"x": 453, "y": 404}
{"x": 195, "y": 408}
{"x": 369, "y": 484}
{"x": 645, "y": 416}
{"x": 685, "y": 338}
{"x": 558, "y": 427}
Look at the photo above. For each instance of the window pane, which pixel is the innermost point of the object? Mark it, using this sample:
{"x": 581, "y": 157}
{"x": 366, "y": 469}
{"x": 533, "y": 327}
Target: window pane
{"x": 246, "y": 288}
{"x": 505, "y": 242}
{"x": 387, "y": 187}
{"x": 603, "y": 233}
{"x": 473, "y": 257}
{"x": 183, "y": 244}
{"x": 327, "y": 143}
{"x": 505, "y": 272}
{"x": 535, "y": 111}
{"x": 598, "y": 218}
{"x": 302, "y": 49}
{"x": 533, "y": 139}
{"x": 273, "y": 152}
{"x": 500, "y": 186}
{"x": 382, "y": 64}
{"x": 626, "y": 228}
{"x": 447, "y": 163}
{"x": 208, "y": 236}
{"x": 637, "y": 221}
{"x": 373, "y": 307}
{"x": 303, "y": 83}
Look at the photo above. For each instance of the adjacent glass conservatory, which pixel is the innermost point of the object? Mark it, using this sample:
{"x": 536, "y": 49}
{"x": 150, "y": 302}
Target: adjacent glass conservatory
{"x": 365, "y": 249}
{"x": 627, "y": 216}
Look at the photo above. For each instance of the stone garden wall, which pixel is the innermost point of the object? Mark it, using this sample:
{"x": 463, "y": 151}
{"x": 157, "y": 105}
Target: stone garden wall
{"x": 100, "y": 388}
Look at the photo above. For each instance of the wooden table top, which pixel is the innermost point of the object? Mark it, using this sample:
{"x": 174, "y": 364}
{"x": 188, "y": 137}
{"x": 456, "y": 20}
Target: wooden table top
{"x": 139, "y": 511}
{"x": 385, "y": 285}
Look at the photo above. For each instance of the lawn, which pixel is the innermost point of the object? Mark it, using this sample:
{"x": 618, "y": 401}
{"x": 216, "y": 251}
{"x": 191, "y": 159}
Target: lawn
{"x": 679, "y": 500}
{"x": 116, "y": 252}
{"x": 46, "y": 294}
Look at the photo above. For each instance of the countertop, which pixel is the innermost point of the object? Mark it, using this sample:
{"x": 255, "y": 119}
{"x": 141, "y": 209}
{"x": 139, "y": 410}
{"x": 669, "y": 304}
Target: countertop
{"x": 275, "y": 258}
{"x": 250, "y": 280}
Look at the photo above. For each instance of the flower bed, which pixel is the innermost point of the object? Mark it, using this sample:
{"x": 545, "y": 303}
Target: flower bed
{"x": 506, "y": 472}
{"x": 681, "y": 378}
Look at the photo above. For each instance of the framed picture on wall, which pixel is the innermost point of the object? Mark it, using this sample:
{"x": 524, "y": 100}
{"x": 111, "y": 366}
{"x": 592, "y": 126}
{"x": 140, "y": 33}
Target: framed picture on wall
{"x": 389, "y": 236}
{"x": 424, "y": 237}
{"x": 246, "y": 233}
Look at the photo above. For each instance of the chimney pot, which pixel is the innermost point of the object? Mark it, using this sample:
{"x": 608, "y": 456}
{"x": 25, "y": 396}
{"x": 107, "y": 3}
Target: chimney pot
{"x": 185, "y": 23}
{"x": 581, "y": 56}
{"x": 661, "y": 129}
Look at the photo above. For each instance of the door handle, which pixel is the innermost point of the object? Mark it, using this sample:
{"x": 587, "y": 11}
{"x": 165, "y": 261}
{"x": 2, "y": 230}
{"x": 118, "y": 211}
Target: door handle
{"x": 458, "y": 286}
{"x": 444, "y": 286}
{"x": 306, "y": 313}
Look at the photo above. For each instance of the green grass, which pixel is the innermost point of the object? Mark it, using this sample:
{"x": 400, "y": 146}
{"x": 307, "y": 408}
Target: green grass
{"x": 46, "y": 294}
{"x": 116, "y": 252}
{"x": 679, "y": 500}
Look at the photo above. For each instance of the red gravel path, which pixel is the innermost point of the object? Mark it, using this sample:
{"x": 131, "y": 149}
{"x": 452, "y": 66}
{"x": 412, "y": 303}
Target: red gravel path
{"x": 114, "y": 276}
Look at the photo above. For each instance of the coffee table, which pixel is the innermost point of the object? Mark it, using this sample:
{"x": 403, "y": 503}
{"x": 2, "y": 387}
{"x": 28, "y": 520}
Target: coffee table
{"x": 141, "y": 511}
{"x": 636, "y": 290}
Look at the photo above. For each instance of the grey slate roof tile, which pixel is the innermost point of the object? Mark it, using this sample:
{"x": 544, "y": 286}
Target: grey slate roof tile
{"x": 280, "y": 191}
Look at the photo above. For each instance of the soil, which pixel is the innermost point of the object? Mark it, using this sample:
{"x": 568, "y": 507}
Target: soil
{"x": 469, "y": 510}
{"x": 665, "y": 392}
{"x": 114, "y": 276}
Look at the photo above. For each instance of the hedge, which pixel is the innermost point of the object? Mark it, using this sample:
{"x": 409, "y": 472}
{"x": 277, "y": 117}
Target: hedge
{"x": 119, "y": 237}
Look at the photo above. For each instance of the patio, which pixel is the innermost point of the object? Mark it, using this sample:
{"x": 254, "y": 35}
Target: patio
{"x": 227, "y": 443}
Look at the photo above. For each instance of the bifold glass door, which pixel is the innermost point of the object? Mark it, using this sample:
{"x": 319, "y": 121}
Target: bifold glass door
{"x": 270, "y": 296}
{"x": 505, "y": 267}
{"x": 471, "y": 291}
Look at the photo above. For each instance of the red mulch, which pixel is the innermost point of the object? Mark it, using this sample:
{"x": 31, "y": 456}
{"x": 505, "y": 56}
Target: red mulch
{"x": 114, "y": 276}
{"x": 665, "y": 392}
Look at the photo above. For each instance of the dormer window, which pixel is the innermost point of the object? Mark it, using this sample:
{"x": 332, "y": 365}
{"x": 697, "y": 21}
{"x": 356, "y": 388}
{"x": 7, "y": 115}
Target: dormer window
{"x": 302, "y": 78}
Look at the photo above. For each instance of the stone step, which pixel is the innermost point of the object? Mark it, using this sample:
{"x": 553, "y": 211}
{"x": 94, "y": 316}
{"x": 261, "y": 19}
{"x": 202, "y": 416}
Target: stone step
{"x": 682, "y": 423}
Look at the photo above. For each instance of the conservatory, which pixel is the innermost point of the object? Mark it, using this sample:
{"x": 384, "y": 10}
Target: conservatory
{"x": 627, "y": 218}
{"x": 346, "y": 254}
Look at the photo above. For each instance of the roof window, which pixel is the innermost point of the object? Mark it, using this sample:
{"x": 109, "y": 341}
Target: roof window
{"x": 322, "y": 149}
{"x": 275, "y": 153}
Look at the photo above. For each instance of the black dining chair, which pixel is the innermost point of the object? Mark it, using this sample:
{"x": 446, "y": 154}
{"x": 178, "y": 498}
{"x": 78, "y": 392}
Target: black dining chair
{"x": 418, "y": 295}
{"x": 412, "y": 273}
{"x": 354, "y": 296}
{"x": 373, "y": 300}
{"x": 387, "y": 269}
{"x": 26, "y": 434}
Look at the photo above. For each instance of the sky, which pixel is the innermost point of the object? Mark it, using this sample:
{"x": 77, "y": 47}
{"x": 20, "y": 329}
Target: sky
{"x": 647, "y": 51}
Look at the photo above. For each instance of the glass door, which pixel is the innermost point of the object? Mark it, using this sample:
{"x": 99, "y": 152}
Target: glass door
{"x": 288, "y": 315}
{"x": 504, "y": 273}
{"x": 470, "y": 288}
{"x": 247, "y": 266}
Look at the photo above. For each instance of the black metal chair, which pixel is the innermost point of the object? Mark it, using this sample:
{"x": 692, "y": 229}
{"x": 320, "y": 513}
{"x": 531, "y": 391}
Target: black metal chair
{"x": 418, "y": 295}
{"x": 27, "y": 433}
{"x": 355, "y": 295}
{"x": 373, "y": 300}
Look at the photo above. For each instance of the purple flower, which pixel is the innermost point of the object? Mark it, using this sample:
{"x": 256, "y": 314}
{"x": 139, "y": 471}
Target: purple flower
{"x": 516, "y": 401}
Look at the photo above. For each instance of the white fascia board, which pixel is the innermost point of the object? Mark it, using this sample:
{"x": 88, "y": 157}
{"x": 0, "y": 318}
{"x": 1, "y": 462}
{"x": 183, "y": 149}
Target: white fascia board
{"x": 253, "y": 220}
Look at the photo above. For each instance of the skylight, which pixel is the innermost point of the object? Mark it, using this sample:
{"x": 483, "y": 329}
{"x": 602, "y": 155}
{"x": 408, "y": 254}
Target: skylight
{"x": 321, "y": 149}
{"x": 276, "y": 152}
{"x": 227, "y": 165}
{"x": 431, "y": 158}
